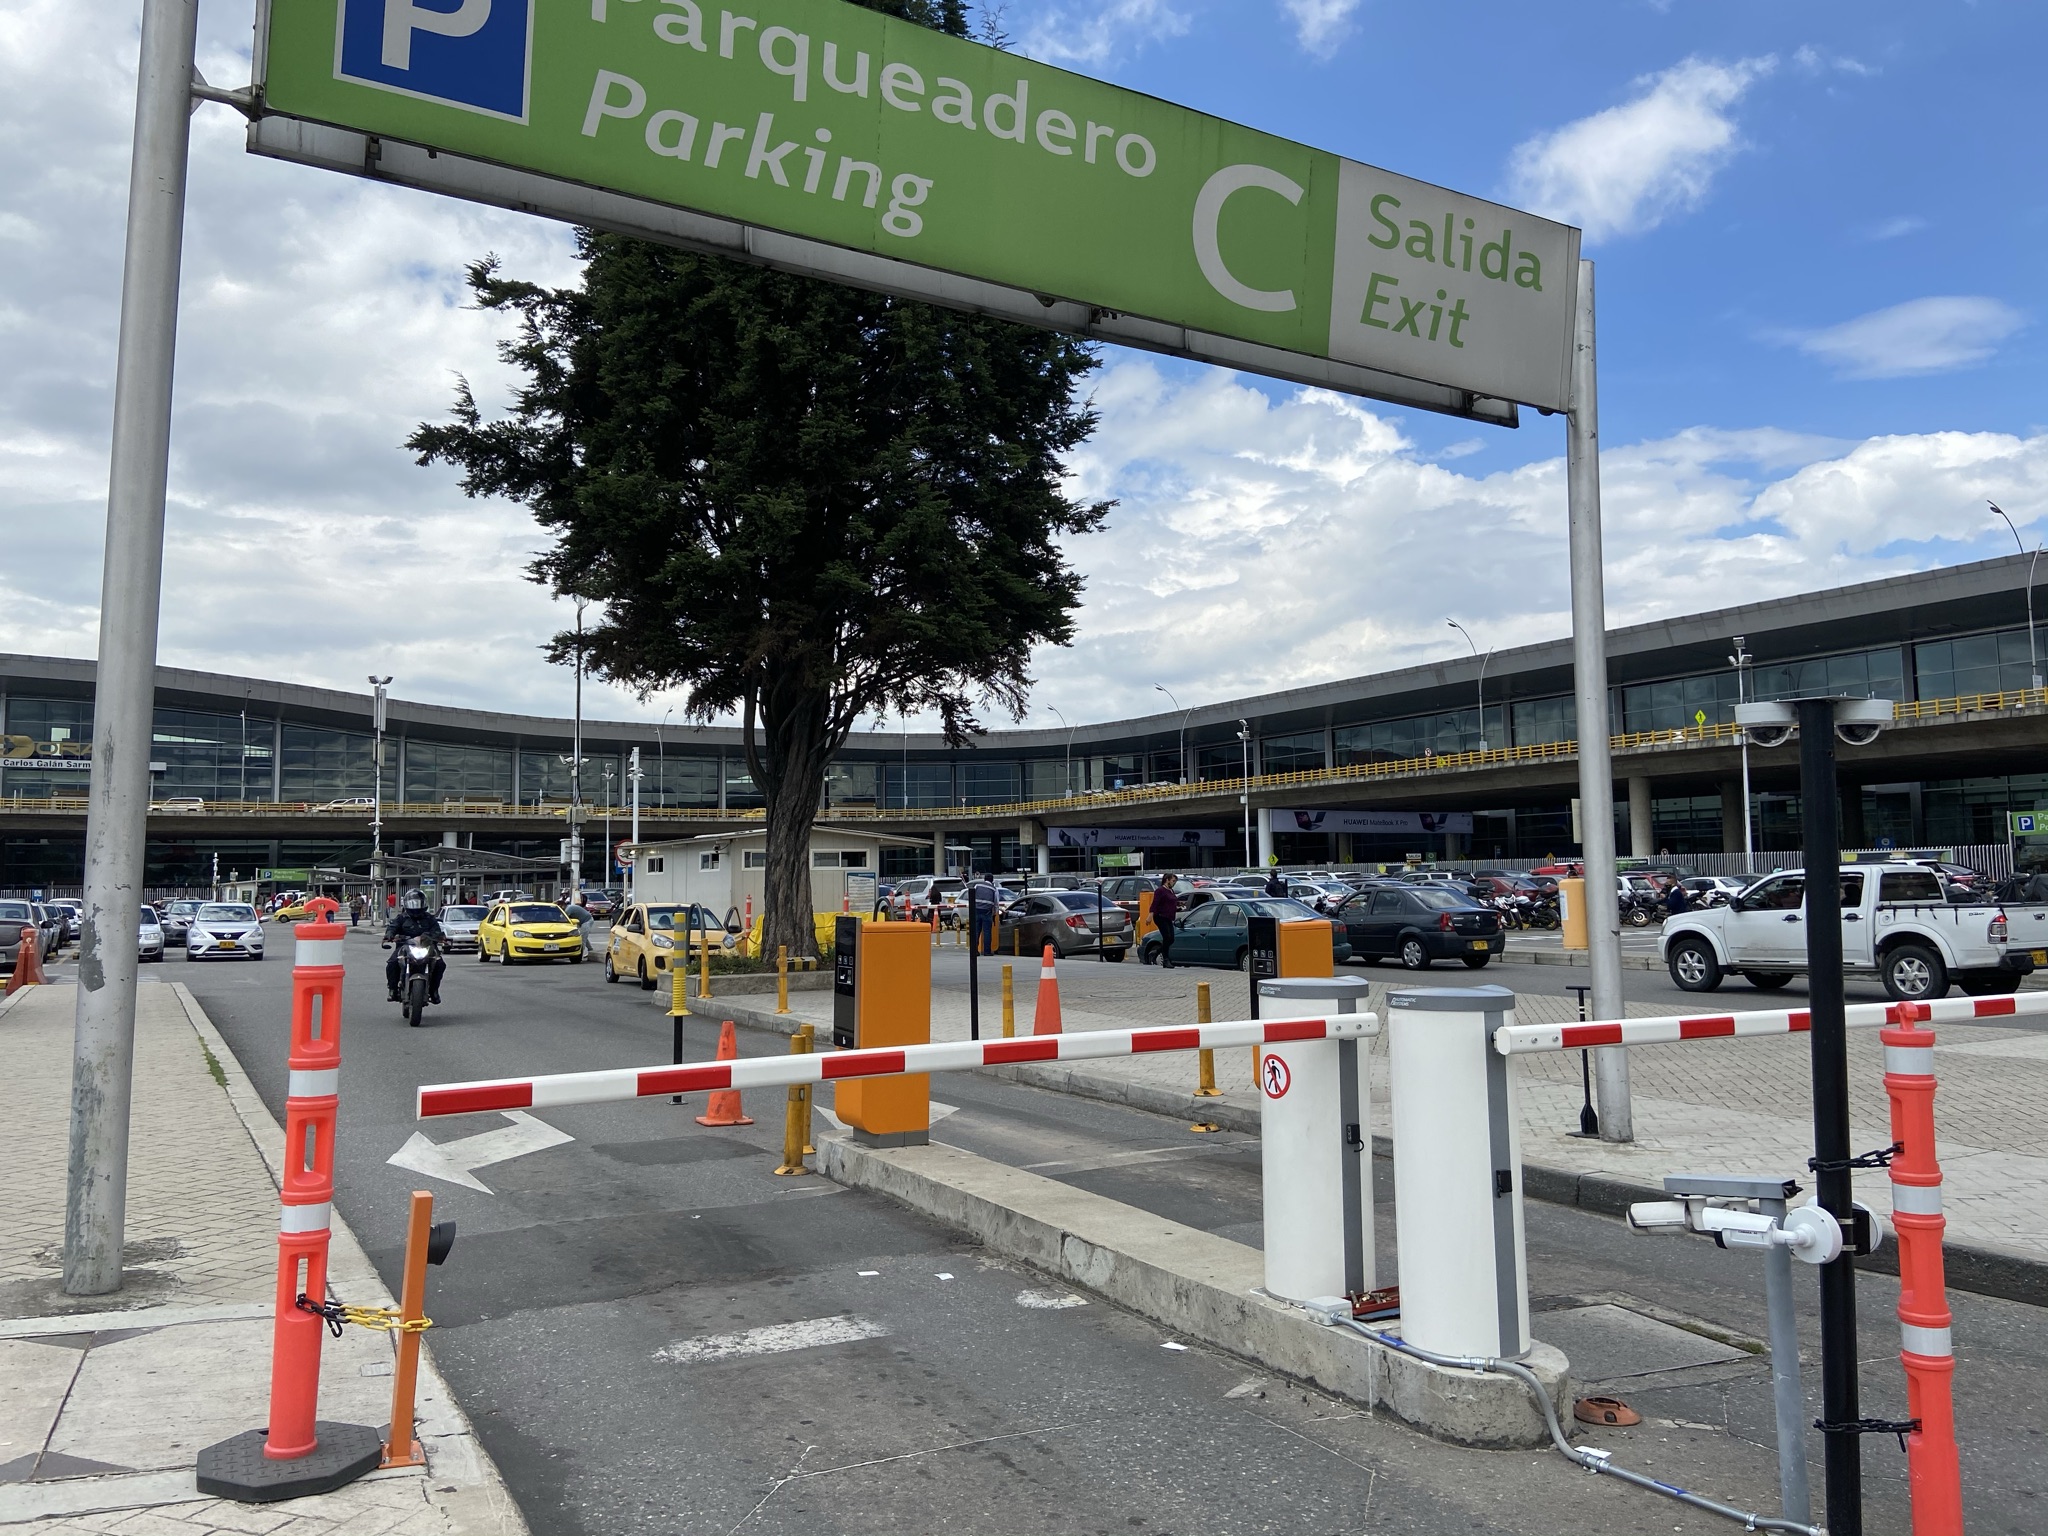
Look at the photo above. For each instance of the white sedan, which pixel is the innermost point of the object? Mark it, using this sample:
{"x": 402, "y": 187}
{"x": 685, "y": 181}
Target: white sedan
{"x": 224, "y": 930}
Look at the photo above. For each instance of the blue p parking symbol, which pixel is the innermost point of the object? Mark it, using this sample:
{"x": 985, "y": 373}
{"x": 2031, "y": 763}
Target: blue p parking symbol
{"x": 463, "y": 53}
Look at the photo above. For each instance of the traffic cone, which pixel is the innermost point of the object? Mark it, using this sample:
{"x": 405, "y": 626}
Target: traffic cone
{"x": 28, "y": 962}
{"x": 1045, "y": 1019}
{"x": 724, "y": 1108}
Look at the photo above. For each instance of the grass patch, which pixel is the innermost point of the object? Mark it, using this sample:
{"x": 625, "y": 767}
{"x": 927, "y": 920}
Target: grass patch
{"x": 213, "y": 1066}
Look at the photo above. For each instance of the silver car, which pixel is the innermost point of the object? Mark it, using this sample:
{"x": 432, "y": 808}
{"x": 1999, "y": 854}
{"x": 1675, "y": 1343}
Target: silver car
{"x": 177, "y": 918}
{"x": 224, "y": 930}
{"x": 150, "y": 945}
{"x": 460, "y": 925}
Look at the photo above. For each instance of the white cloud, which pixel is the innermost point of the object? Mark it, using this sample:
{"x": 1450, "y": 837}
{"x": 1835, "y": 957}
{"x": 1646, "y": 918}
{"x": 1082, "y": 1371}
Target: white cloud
{"x": 1099, "y": 34}
{"x": 1320, "y": 25}
{"x": 1921, "y": 336}
{"x": 1627, "y": 169}
{"x": 1897, "y": 228}
{"x": 1262, "y": 545}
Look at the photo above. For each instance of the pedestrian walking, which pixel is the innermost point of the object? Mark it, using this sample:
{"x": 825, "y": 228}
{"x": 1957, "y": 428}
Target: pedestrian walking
{"x": 986, "y": 897}
{"x": 1276, "y": 884}
{"x": 1165, "y": 908}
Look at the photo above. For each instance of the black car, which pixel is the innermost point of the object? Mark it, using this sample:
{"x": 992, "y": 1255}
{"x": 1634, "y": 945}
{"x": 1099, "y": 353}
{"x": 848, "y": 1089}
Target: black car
{"x": 1418, "y": 924}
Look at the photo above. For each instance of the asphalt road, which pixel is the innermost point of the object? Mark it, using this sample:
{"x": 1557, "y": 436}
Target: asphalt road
{"x": 599, "y": 1318}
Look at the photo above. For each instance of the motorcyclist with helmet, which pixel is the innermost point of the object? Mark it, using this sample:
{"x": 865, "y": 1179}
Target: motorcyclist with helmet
{"x": 412, "y": 921}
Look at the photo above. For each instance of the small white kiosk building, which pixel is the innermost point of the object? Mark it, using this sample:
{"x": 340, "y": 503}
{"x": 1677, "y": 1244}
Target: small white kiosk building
{"x": 723, "y": 870}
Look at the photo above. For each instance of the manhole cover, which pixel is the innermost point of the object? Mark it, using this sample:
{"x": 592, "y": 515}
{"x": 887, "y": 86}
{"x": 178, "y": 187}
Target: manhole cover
{"x": 1606, "y": 1343}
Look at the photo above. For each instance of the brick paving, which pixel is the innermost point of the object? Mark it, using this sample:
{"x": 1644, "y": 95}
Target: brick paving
{"x": 99, "y": 1426}
{"x": 1735, "y": 1106}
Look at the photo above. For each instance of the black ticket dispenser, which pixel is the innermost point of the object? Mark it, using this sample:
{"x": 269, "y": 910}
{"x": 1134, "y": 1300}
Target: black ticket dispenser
{"x": 845, "y": 982}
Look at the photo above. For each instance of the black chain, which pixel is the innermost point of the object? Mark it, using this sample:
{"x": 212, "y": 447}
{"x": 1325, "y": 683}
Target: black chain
{"x": 332, "y": 1311}
{"x": 1899, "y": 1427}
{"x": 1881, "y": 1158}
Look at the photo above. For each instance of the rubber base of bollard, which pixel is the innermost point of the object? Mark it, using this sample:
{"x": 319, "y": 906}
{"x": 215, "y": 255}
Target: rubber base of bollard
{"x": 237, "y": 1468}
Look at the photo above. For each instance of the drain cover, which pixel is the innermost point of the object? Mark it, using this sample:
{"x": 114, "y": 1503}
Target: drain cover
{"x": 1607, "y": 1342}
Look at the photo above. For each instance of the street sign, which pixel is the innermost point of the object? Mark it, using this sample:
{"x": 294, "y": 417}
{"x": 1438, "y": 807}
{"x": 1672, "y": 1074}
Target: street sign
{"x": 622, "y": 855}
{"x": 826, "y": 138}
{"x": 2025, "y": 823}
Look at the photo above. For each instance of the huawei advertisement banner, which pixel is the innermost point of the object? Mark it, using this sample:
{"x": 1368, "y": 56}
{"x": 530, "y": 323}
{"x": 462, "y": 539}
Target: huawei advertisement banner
{"x": 1385, "y": 823}
{"x": 1134, "y": 837}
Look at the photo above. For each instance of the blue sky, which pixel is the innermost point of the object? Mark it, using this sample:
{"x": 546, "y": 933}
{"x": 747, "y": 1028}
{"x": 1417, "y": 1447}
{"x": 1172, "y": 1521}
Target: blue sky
{"x": 1820, "y": 230}
{"x": 1877, "y": 155}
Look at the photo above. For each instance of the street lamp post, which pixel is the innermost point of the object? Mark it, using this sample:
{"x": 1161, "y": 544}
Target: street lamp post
{"x": 1818, "y": 722}
{"x": 1740, "y": 661}
{"x": 378, "y": 685}
{"x": 661, "y": 759}
{"x": 608, "y": 771}
{"x": 2033, "y": 655}
{"x": 1484, "y": 661}
{"x": 634, "y": 775}
{"x": 1184, "y": 713}
{"x": 1244, "y": 735}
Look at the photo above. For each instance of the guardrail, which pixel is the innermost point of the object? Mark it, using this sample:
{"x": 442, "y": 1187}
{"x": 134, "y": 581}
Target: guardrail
{"x": 1430, "y": 763}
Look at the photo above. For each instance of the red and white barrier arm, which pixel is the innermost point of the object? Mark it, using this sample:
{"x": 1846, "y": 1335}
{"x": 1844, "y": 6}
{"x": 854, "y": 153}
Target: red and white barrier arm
{"x": 1530, "y": 1039}
{"x": 952, "y": 1056}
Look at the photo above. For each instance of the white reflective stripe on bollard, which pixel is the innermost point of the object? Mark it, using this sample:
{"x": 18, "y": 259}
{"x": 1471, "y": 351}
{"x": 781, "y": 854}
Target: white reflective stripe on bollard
{"x": 1931, "y": 1342}
{"x": 1916, "y": 1199}
{"x": 1909, "y": 1060}
{"x": 318, "y": 952}
{"x": 313, "y": 1085}
{"x": 306, "y": 1218}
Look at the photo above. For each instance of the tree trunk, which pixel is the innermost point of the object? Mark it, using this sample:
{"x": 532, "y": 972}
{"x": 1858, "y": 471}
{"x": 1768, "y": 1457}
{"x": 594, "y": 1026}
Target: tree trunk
{"x": 788, "y": 763}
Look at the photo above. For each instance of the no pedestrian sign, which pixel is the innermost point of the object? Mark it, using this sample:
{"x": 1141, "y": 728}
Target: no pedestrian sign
{"x": 856, "y": 130}
{"x": 1274, "y": 1077}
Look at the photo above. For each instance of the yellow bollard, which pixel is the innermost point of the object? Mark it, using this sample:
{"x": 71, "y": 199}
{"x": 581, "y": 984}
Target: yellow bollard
{"x": 678, "y": 989}
{"x": 704, "y": 971}
{"x": 782, "y": 978}
{"x": 794, "y": 1116}
{"x": 1009, "y": 1006}
{"x": 1205, "y": 1087}
{"x": 809, "y": 1035}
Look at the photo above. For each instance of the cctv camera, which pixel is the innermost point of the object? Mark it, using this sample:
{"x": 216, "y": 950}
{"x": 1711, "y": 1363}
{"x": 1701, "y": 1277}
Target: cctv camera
{"x": 1766, "y": 724}
{"x": 1657, "y": 1217}
{"x": 1857, "y": 721}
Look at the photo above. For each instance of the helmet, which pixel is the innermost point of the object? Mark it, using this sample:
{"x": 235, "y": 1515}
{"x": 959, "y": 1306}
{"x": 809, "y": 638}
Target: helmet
{"x": 414, "y": 901}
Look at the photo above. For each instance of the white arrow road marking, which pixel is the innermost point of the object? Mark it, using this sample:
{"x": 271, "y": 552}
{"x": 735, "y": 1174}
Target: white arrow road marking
{"x": 454, "y": 1160}
{"x": 938, "y": 1112}
{"x": 775, "y": 1339}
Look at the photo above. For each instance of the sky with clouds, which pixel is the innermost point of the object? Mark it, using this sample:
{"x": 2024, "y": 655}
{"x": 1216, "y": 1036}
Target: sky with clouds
{"x": 1819, "y": 230}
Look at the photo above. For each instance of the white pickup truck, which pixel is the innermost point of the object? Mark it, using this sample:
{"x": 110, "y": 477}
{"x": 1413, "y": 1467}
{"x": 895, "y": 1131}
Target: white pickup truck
{"x": 1897, "y": 924}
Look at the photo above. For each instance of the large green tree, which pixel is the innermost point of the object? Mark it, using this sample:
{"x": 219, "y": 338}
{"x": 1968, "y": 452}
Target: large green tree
{"x": 803, "y": 503}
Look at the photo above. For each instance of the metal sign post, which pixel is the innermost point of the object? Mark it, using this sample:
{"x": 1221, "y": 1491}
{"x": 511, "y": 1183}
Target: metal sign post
{"x": 1589, "y": 670}
{"x": 124, "y": 691}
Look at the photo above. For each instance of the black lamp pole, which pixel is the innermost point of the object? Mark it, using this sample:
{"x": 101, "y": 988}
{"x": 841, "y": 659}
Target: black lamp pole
{"x": 1821, "y": 839}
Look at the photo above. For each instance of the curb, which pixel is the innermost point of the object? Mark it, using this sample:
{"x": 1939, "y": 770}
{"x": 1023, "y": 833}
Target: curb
{"x": 469, "y": 1492}
{"x": 1982, "y": 1271}
{"x": 1572, "y": 957}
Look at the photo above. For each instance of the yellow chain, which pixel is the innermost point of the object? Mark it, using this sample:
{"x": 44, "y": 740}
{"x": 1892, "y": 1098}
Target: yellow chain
{"x": 385, "y": 1319}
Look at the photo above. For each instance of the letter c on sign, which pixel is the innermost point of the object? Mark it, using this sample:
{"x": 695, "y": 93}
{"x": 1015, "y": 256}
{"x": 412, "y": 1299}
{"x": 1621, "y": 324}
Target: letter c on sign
{"x": 1209, "y": 209}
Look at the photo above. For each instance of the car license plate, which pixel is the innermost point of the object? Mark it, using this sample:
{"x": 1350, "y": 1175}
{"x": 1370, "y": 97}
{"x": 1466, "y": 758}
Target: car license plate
{"x": 553, "y": 945}
{"x": 224, "y": 944}
{"x": 2041, "y": 957}
{"x": 1479, "y": 943}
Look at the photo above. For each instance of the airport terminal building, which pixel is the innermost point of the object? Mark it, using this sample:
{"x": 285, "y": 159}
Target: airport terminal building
{"x": 1432, "y": 761}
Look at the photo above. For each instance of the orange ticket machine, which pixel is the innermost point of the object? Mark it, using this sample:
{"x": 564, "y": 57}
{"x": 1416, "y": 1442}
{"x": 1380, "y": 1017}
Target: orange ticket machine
{"x": 882, "y": 997}
{"x": 1289, "y": 947}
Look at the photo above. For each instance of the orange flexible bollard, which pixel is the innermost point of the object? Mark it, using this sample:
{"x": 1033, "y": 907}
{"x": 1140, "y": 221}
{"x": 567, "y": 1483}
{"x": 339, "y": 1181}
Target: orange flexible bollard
{"x": 400, "y": 1448}
{"x": 1933, "y": 1472}
{"x": 1045, "y": 1018}
{"x": 298, "y": 1453}
{"x": 724, "y": 1108}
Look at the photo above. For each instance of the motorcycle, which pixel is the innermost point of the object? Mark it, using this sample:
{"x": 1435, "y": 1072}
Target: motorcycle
{"x": 1641, "y": 911}
{"x": 416, "y": 958}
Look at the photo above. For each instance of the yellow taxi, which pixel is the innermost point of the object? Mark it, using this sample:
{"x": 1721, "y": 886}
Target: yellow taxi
{"x": 647, "y": 938}
{"x": 294, "y": 911}
{"x": 528, "y": 930}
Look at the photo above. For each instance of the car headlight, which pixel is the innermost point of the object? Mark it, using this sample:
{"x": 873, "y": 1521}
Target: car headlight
{"x": 663, "y": 943}
{"x": 521, "y": 933}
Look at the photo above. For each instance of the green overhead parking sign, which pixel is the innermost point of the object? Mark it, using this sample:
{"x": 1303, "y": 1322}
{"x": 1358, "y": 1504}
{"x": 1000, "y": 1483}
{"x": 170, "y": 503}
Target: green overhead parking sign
{"x": 830, "y": 139}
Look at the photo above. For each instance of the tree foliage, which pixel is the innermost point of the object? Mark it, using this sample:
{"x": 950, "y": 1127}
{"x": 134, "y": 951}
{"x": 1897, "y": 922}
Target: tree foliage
{"x": 803, "y": 503}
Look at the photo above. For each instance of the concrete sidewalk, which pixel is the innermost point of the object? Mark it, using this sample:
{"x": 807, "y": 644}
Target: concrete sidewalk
{"x": 106, "y": 1401}
{"x": 1734, "y": 1106}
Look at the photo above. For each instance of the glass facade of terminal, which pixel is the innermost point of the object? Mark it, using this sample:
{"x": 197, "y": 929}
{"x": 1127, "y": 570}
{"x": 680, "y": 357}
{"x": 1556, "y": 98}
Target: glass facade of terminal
{"x": 225, "y": 756}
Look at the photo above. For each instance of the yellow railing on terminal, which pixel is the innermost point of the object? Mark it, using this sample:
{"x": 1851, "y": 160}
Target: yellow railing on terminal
{"x": 1146, "y": 794}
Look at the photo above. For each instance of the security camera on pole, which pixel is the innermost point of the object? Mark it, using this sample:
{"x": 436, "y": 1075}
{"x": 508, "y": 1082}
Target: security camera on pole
{"x": 1817, "y": 722}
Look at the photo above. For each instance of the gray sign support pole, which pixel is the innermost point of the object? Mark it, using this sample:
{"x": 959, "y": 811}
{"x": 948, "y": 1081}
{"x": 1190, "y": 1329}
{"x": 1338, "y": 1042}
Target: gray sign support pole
{"x": 131, "y": 584}
{"x": 1589, "y": 669}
